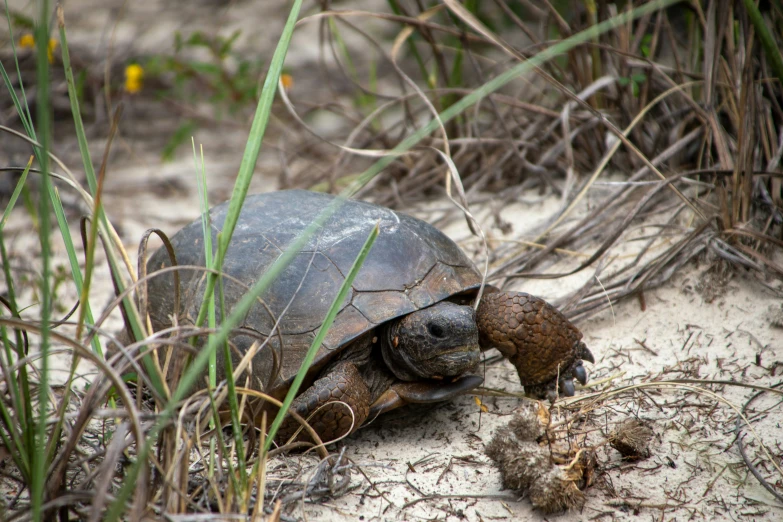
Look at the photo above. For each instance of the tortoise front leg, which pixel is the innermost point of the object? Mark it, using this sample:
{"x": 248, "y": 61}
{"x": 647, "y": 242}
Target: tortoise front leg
{"x": 540, "y": 342}
{"x": 339, "y": 402}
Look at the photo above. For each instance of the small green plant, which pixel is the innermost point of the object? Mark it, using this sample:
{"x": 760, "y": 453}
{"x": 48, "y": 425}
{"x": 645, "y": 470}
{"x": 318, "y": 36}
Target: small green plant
{"x": 645, "y": 45}
{"x": 206, "y": 69}
{"x": 635, "y": 81}
{"x": 224, "y": 78}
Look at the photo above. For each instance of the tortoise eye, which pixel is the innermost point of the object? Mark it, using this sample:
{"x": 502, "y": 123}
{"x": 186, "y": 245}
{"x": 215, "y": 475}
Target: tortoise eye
{"x": 435, "y": 329}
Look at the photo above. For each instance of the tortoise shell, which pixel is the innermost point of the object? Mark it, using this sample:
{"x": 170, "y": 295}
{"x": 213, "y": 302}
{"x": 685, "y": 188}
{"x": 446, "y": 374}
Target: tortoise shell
{"x": 411, "y": 266}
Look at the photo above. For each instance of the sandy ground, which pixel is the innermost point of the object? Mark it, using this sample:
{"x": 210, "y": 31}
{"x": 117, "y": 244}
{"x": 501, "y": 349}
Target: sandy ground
{"x": 429, "y": 463}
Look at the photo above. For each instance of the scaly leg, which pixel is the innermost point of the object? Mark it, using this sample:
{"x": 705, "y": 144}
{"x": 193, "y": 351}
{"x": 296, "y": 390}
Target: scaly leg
{"x": 339, "y": 402}
{"x": 544, "y": 347}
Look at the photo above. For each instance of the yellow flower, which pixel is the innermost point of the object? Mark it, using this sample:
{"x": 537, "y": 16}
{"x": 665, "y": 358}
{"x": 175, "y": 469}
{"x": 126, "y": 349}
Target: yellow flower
{"x": 134, "y": 78}
{"x": 50, "y": 49}
{"x": 287, "y": 80}
{"x": 27, "y": 41}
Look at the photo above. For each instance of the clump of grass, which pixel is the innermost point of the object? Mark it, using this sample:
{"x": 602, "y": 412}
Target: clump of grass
{"x": 41, "y": 456}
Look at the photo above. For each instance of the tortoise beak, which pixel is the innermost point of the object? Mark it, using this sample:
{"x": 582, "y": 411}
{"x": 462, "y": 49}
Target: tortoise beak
{"x": 453, "y": 362}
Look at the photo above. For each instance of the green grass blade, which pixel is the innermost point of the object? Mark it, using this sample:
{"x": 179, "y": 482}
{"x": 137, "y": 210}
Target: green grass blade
{"x": 81, "y": 137}
{"x": 206, "y": 229}
{"x": 257, "y": 130}
{"x": 771, "y": 49}
{"x": 231, "y": 472}
{"x": 15, "y": 194}
{"x": 233, "y": 402}
{"x": 44, "y": 127}
{"x": 322, "y": 331}
{"x": 252, "y": 149}
{"x": 89, "y": 170}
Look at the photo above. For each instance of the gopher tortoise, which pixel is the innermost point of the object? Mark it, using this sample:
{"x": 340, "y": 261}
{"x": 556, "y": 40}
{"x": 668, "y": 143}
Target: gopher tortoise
{"x": 406, "y": 333}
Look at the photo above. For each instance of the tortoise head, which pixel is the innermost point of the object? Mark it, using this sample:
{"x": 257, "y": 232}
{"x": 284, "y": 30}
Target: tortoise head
{"x": 435, "y": 342}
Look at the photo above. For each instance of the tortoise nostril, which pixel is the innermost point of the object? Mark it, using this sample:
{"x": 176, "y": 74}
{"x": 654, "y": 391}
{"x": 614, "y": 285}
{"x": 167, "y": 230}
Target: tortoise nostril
{"x": 436, "y": 330}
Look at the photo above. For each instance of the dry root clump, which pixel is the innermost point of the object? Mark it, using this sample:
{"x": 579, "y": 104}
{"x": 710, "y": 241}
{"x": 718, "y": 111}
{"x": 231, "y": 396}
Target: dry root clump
{"x": 529, "y": 421}
{"x": 529, "y": 467}
{"x": 632, "y": 439}
{"x": 555, "y": 491}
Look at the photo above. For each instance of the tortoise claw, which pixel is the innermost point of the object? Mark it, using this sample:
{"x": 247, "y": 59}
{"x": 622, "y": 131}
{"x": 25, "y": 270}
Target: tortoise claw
{"x": 580, "y": 373}
{"x": 584, "y": 353}
{"x": 564, "y": 386}
{"x": 568, "y": 387}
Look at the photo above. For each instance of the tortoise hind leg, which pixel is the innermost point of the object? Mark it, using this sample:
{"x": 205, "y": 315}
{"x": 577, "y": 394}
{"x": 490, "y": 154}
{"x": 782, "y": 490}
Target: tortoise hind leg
{"x": 335, "y": 405}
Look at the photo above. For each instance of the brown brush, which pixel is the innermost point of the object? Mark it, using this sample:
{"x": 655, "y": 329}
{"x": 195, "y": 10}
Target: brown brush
{"x": 632, "y": 439}
{"x": 527, "y": 467}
